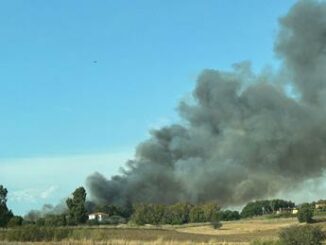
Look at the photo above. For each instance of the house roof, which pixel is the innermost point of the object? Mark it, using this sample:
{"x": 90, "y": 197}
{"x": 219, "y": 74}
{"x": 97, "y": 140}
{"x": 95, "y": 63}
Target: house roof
{"x": 98, "y": 213}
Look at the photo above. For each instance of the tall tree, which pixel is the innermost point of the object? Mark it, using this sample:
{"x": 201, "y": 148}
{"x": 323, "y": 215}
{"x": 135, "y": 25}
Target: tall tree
{"x": 5, "y": 213}
{"x": 76, "y": 206}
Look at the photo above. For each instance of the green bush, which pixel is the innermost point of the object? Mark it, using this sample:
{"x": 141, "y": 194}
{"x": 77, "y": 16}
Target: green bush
{"x": 15, "y": 221}
{"x": 211, "y": 211}
{"x": 148, "y": 214}
{"x": 40, "y": 222}
{"x": 305, "y": 213}
{"x": 177, "y": 214}
{"x": 215, "y": 220}
{"x": 92, "y": 222}
{"x": 302, "y": 235}
{"x": 122, "y": 211}
{"x": 55, "y": 220}
{"x": 197, "y": 215}
{"x": 216, "y": 224}
{"x": 227, "y": 215}
{"x": 35, "y": 233}
{"x": 263, "y": 207}
{"x": 256, "y": 208}
{"x": 114, "y": 220}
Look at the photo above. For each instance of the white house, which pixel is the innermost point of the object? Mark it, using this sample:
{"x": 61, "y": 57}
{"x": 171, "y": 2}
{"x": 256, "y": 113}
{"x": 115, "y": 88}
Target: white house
{"x": 295, "y": 210}
{"x": 287, "y": 210}
{"x": 320, "y": 204}
{"x": 99, "y": 216}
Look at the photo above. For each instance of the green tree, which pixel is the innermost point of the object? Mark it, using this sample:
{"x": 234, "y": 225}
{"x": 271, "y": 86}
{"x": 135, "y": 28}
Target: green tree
{"x": 148, "y": 214}
{"x": 15, "y": 221}
{"x": 5, "y": 213}
{"x": 276, "y": 204}
{"x": 177, "y": 214}
{"x": 211, "y": 211}
{"x": 215, "y": 221}
{"x": 197, "y": 215}
{"x": 123, "y": 211}
{"x": 76, "y": 206}
{"x": 228, "y": 215}
{"x": 256, "y": 208}
{"x": 158, "y": 212}
{"x": 140, "y": 214}
{"x": 55, "y": 220}
{"x": 305, "y": 213}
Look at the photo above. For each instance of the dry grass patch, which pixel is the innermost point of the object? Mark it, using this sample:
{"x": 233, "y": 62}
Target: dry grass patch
{"x": 123, "y": 242}
{"x": 244, "y": 230}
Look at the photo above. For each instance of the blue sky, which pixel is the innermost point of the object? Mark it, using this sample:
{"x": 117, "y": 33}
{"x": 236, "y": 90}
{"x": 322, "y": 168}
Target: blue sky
{"x": 82, "y": 82}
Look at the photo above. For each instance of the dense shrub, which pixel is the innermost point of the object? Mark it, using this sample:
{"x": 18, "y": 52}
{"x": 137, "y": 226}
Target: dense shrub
{"x": 302, "y": 235}
{"x": 264, "y": 207}
{"x": 148, "y": 214}
{"x": 52, "y": 220}
{"x": 15, "y": 221}
{"x": 197, "y": 215}
{"x": 276, "y": 204}
{"x": 305, "y": 213}
{"x": 40, "y": 222}
{"x": 256, "y": 208}
{"x": 114, "y": 210}
{"x": 92, "y": 222}
{"x": 211, "y": 211}
{"x": 177, "y": 214}
{"x": 228, "y": 215}
{"x": 55, "y": 220}
{"x": 114, "y": 220}
{"x": 35, "y": 233}
{"x": 215, "y": 221}
{"x": 140, "y": 214}
{"x": 206, "y": 212}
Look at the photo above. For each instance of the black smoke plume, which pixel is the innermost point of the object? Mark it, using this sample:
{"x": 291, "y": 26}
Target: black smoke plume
{"x": 244, "y": 136}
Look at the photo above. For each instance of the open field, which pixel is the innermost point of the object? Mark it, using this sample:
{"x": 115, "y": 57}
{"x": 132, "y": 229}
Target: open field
{"x": 232, "y": 232}
{"x": 243, "y": 230}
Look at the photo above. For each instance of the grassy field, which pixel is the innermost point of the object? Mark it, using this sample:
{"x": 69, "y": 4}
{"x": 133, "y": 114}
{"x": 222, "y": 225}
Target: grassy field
{"x": 232, "y": 232}
{"x": 243, "y": 230}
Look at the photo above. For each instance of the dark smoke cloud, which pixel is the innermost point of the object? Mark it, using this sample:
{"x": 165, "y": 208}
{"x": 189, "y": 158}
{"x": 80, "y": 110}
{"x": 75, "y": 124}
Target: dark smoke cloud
{"x": 243, "y": 136}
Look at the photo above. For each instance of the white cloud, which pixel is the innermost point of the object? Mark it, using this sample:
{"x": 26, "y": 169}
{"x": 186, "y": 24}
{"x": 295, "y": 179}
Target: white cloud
{"x": 31, "y": 182}
{"x": 32, "y": 194}
{"x": 48, "y": 192}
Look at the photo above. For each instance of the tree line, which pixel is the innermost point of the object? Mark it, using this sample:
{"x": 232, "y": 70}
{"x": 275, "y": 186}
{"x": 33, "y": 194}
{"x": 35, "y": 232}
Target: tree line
{"x": 78, "y": 209}
{"x": 262, "y": 207}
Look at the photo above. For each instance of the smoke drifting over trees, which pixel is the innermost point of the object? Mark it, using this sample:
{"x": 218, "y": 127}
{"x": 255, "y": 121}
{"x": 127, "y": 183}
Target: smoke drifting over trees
{"x": 244, "y": 136}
